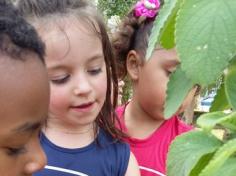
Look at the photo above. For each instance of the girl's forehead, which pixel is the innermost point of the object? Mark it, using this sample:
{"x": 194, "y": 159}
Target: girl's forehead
{"x": 64, "y": 30}
{"x": 74, "y": 41}
{"x": 61, "y": 23}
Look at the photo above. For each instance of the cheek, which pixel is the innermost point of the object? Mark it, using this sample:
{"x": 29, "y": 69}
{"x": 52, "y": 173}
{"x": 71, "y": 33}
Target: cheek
{"x": 7, "y": 163}
{"x": 154, "y": 86}
{"x": 58, "y": 100}
{"x": 101, "y": 86}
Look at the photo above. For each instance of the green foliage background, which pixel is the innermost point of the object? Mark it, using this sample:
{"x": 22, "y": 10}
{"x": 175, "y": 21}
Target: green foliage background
{"x": 115, "y": 7}
{"x": 119, "y": 8}
{"x": 203, "y": 33}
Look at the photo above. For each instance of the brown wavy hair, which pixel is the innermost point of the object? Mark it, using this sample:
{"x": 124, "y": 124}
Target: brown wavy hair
{"x": 132, "y": 34}
{"x": 36, "y": 10}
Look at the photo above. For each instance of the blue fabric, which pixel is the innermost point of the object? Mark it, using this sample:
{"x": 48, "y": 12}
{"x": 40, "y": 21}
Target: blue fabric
{"x": 108, "y": 158}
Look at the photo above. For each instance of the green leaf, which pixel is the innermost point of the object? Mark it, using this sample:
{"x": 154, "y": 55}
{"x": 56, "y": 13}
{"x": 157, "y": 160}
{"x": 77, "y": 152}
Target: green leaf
{"x": 187, "y": 150}
{"x": 229, "y": 121}
{"x": 167, "y": 37}
{"x": 220, "y": 102}
{"x": 201, "y": 164}
{"x": 230, "y": 85}
{"x": 219, "y": 158}
{"x": 205, "y": 38}
{"x": 209, "y": 120}
{"x": 165, "y": 14}
{"x": 177, "y": 89}
{"x": 228, "y": 169}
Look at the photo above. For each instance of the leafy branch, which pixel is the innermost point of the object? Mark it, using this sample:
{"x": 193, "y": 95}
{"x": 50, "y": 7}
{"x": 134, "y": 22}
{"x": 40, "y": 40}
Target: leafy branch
{"x": 204, "y": 34}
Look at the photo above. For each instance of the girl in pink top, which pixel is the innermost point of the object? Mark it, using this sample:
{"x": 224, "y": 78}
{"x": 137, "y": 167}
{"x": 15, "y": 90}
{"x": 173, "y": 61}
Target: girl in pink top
{"x": 142, "y": 118}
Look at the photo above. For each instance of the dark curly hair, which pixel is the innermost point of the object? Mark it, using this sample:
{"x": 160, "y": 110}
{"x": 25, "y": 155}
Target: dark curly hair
{"x": 132, "y": 34}
{"x": 36, "y": 10}
{"x": 16, "y": 35}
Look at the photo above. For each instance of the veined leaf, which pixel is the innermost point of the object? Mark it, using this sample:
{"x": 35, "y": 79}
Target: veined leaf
{"x": 201, "y": 164}
{"x": 177, "y": 89}
{"x": 219, "y": 158}
{"x": 209, "y": 120}
{"x": 229, "y": 121}
{"x": 228, "y": 169}
{"x": 167, "y": 37}
{"x": 164, "y": 15}
{"x": 187, "y": 150}
{"x": 205, "y": 41}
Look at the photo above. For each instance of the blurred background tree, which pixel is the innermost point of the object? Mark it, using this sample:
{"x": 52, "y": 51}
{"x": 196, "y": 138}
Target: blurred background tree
{"x": 115, "y": 7}
{"x": 113, "y": 11}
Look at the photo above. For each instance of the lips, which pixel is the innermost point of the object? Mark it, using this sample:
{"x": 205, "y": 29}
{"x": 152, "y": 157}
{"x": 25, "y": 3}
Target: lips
{"x": 85, "y": 107}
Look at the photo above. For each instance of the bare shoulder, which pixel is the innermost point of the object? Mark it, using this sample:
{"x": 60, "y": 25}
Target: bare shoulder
{"x": 133, "y": 169}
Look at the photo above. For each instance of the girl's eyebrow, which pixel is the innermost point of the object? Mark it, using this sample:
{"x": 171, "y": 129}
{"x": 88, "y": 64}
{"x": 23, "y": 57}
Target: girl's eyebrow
{"x": 57, "y": 67}
{"x": 95, "y": 57}
{"x": 63, "y": 66}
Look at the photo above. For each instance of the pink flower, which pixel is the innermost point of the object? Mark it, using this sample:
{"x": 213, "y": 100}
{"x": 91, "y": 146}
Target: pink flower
{"x": 147, "y": 8}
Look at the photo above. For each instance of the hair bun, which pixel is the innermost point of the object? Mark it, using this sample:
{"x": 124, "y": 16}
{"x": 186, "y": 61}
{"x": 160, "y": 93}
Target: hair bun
{"x": 122, "y": 41}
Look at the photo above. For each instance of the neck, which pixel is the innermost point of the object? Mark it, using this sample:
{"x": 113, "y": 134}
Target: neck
{"x": 70, "y": 131}
{"x": 135, "y": 117}
{"x": 69, "y": 136}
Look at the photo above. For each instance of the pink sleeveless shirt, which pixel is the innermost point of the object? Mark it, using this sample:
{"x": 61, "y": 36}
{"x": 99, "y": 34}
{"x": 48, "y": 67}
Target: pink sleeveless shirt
{"x": 151, "y": 153}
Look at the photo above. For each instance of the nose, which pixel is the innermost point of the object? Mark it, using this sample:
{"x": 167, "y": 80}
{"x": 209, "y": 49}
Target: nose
{"x": 82, "y": 86}
{"x": 36, "y": 158}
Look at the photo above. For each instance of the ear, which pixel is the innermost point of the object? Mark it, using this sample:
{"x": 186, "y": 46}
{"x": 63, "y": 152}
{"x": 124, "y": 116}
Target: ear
{"x": 132, "y": 63}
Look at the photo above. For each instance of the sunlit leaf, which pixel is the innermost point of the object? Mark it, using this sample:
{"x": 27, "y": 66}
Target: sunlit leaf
{"x": 229, "y": 121}
{"x": 187, "y": 150}
{"x": 201, "y": 164}
{"x": 178, "y": 87}
{"x": 228, "y": 168}
{"x": 219, "y": 158}
{"x": 169, "y": 8}
{"x": 206, "y": 38}
{"x": 168, "y": 35}
{"x": 209, "y": 120}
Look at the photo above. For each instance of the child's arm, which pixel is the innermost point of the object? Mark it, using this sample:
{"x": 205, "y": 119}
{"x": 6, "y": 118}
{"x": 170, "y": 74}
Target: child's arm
{"x": 133, "y": 169}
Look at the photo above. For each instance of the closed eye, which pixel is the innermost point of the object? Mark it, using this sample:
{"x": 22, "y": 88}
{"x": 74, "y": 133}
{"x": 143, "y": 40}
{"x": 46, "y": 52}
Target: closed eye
{"x": 95, "y": 71}
{"x": 169, "y": 70}
{"x": 60, "y": 80}
{"x": 16, "y": 151}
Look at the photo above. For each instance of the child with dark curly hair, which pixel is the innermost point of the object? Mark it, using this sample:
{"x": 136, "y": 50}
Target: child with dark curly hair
{"x": 24, "y": 94}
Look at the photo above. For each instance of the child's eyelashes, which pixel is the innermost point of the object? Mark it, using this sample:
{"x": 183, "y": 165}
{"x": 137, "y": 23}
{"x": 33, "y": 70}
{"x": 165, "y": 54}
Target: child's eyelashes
{"x": 95, "y": 71}
{"x": 169, "y": 71}
{"x": 60, "y": 80}
{"x": 11, "y": 151}
{"x": 65, "y": 78}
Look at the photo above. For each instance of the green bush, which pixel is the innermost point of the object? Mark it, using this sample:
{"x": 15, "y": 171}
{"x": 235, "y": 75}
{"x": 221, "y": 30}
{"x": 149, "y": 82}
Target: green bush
{"x": 204, "y": 34}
